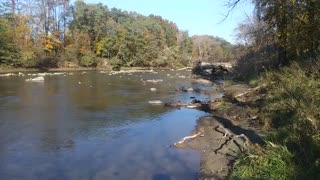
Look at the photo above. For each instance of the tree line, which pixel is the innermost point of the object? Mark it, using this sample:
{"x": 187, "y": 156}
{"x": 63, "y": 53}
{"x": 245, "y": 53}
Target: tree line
{"x": 58, "y": 33}
{"x": 52, "y": 33}
{"x": 279, "y": 33}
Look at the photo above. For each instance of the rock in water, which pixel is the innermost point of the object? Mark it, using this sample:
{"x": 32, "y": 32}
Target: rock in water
{"x": 174, "y": 104}
{"x": 192, "y": 106}
{"x": 154, "y": 80}
{"x": 37, "y": 79}
{"x": 203, "y": 81}
{"x": 155, "y": 102}
{"x": 153, "y": 89}
{"x": 190, "y": 89}
{"x": 6, "y": 75}
{"x": 58, "y": 73}
{"x": 212, "y": 70}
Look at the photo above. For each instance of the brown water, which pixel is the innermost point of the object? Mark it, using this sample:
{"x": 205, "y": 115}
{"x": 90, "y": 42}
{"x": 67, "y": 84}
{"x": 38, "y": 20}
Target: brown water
{"x": 95, "y": 126}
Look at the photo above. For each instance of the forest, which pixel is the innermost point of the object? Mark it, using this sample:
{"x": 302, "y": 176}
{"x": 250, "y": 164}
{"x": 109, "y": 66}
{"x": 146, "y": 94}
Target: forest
{"x": 57, "y": 33}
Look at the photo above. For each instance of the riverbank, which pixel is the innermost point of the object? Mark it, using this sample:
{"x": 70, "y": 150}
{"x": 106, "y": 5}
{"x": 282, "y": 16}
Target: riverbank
{"x": 281, "y": 114}
{"x": 225, "y": 134}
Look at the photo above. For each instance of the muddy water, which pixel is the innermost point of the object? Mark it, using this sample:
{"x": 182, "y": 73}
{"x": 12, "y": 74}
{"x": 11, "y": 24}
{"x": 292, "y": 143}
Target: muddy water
{"x": 96, "y": 126}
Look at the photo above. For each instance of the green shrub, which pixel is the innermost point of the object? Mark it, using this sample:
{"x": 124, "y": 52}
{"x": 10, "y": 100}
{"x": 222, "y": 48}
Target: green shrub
{"x": 268, "y": 162}
{"x": 88, "y": 60}
{"x": 116, "y": 63}
{"x": 70, "y": 54}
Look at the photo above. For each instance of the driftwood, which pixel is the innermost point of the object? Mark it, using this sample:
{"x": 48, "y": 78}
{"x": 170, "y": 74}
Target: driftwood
{"x": 187, "y": 138}
{"x": 251, "y": 90}
{"x": 212, "y": 70}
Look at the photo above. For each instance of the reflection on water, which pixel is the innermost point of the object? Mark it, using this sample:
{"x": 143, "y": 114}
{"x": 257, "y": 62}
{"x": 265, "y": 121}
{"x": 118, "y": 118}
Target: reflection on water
{"x": 94, "y": 126}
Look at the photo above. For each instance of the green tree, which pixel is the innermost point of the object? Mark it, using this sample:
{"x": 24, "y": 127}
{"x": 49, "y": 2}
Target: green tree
{"x": 9, "y": 54}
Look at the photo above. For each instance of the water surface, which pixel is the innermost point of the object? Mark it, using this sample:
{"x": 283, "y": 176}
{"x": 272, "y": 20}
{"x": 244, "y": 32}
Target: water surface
{"x": 96, "y": 126}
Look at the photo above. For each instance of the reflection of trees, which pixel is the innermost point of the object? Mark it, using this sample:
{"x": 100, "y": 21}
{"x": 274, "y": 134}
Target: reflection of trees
{"x": 107, "y": 94}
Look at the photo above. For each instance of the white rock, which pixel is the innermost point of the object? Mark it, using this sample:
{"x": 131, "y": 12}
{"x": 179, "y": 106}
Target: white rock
{"x": 154, "y": 80}
{"x": 203, "y": 81}
{"x": 58, "y": 73}
{"x": 42, "y": 74}
{"x": 155, "y": 102}
{"x": 153, "y": 89}
{"x": 190, "y": 89}
{"x": 191, "y": 106}
{"x": 6, "y": 75}
{"x": 36, "y": 79}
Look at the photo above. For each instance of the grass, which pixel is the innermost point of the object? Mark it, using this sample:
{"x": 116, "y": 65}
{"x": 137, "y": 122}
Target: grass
{"x": 270, "y": 162}
{"x": 292, "y": 111}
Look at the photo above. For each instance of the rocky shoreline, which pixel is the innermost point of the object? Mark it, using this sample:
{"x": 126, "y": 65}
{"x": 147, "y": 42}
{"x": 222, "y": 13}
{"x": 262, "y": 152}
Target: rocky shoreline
{"x": 222, "y": 136}
{"x": 60, "y": 69}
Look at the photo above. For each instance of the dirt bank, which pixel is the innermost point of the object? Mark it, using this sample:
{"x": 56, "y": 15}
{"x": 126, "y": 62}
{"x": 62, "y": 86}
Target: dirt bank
{"x": 233, "y": 125}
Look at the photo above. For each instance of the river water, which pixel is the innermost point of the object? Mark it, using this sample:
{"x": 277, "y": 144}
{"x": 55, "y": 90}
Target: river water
{"x": 92, "y": 125}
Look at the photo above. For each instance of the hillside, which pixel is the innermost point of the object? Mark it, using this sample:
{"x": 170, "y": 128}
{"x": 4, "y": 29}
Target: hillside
{"x": 212, "y": 49}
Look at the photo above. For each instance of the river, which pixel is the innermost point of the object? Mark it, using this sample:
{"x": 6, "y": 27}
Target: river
{"x": 93, "y": 125}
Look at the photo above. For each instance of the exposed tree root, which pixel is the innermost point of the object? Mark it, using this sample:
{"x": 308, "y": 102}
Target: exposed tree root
{"x": 243, "y": 138}
{"x": 223, "y": 144}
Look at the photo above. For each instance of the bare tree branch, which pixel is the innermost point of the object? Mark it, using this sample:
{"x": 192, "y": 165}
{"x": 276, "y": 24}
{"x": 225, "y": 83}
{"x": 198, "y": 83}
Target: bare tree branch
{"x": 231, "y": 5}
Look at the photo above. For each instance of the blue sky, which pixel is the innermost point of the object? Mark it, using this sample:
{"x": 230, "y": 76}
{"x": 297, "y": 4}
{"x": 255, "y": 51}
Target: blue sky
{"x": 198, "y": 17}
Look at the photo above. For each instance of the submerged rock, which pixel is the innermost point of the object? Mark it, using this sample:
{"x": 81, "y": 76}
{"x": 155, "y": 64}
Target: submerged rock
{"x": 173, "y": 104}
{"x": 203, "y": 81}
{"x": 189, "y": 89}
{"x": 192, "y": 105}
